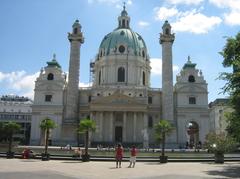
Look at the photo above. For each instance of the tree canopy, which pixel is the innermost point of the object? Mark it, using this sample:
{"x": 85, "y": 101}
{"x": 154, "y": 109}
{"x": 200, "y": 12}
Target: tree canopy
{"x": 231, "y": 58}
{"x": 47, "y": 124}
{"x": 163, "y": 127}
{"x": 86, "y": 125}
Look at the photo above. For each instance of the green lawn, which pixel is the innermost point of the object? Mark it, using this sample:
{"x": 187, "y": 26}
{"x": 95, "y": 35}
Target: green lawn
{"x": 103, "y": 152}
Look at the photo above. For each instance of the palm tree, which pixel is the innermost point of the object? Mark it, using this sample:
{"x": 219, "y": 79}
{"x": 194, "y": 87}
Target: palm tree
{"x": 10, "y": 129}
{"x": 46, "y": 125}
{"x": 86, "y": 126}
{"x": 162, "y": 129}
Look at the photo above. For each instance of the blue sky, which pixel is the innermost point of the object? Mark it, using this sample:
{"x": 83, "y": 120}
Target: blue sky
{"x": 31, "y": 31}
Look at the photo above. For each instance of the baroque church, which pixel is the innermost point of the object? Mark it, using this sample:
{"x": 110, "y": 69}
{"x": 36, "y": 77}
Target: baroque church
{"x": 120, "y": 100}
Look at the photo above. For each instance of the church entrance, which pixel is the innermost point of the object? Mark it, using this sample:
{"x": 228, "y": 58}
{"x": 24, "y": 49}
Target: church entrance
{"x": 193, "y": 134}
{"x": 118, "y": 134}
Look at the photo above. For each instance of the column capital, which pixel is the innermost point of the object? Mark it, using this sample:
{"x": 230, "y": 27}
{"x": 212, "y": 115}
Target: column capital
{"x": 76, "y": 37}
{"x": 166, "y": 38}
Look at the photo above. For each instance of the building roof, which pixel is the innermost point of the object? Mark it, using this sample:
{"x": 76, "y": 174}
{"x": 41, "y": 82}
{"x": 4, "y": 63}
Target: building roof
{"x": 219, "y": 101}
{"x": 54, "y": 62}
{"x": 15, "y": 98}
{"x": 189, "y": 64}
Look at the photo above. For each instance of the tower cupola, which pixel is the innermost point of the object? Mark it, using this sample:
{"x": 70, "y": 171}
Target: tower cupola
{"x": 76, "y": 27}
{"x": 124, "y": 19}
{"x": 76, "y": 34}
{"x": 166, "y": 35}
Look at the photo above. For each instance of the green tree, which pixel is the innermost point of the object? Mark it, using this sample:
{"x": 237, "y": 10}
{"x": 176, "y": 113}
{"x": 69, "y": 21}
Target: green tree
{"x": 231, "y": 58}
{"x": 46, "y": 125}
{"x": 162, "y": 129}
{"x": 86, "y": 126}
{"x": 2, "y": 133}
{"x": 219, "y": 144}
{"x": 10, "y": 128}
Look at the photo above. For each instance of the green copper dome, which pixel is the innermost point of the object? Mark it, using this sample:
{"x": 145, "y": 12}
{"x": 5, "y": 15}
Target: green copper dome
{"x": 125, "y": 37}
{"x": 123, "y": 40}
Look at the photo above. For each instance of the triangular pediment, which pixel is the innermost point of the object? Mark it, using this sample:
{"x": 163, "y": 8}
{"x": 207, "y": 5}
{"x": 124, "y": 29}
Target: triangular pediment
{"x": 188, "y": 88}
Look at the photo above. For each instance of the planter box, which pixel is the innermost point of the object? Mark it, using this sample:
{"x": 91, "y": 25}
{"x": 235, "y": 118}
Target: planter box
{"x": 10, "y": 155}
{"x": 219, "y": 158}
{"x": 163, "y": 159}
{"x": 86, "y": 158}
{"x": 45, "y": 157}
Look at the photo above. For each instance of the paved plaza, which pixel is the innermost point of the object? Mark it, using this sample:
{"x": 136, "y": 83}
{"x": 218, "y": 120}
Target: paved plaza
{"x": 56, "y": 169}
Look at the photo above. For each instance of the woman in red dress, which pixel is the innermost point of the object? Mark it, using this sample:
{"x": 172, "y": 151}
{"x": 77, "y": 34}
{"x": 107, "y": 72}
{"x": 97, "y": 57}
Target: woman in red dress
{"x": 119, "y": 155}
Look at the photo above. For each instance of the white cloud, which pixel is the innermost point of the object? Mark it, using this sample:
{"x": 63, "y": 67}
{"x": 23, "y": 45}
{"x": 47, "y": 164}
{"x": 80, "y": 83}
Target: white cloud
{"x": 163, "y": 13}
{"x": 232, "y": 17}
{"x": 195, "y": 22}
{"x": 187, "y": 21}
{"x": 187, "y": 2}
{"x": 84, "y": 84}
{"x": 19, "y": 81}
{"x": 232, "y": 4}
{"x": 143, "y": 24}
{"x": 156, "y": 65}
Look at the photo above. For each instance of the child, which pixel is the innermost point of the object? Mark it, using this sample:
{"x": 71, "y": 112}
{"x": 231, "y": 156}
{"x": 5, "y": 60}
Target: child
{"x": 119, "y": 155}
{"x": 133, "y": 156}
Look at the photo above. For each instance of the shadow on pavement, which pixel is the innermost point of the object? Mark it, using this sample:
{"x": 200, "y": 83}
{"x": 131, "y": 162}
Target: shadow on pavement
{"x": 34, "y": 175}
{"x": 231, "y": 171}
{"x": 72, "y": 162}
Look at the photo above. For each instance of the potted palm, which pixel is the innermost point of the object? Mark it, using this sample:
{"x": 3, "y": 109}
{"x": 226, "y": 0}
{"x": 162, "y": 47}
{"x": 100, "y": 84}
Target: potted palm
{"x": 86, "y": 126}
{"x": 162, "y": 129}
{"x": 46, "y": 125}
{"x": 219, "y": 144}
{"x": 10, "y": 129}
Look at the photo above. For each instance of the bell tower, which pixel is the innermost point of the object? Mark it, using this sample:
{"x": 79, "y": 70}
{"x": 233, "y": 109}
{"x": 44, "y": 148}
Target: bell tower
{"x": 166, "y": 40}
{"x": 76, "y": 39}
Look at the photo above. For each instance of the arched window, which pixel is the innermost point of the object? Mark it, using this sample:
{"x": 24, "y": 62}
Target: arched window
{"x": 121, "y": 74}
{"x": 99, "y": 78}
{"x": 167, "y": 31}
{"x": 143, "y": 54}
{"x": 143, "y": 78}
{"x": 75, "y": 31}
{"x": 50, "y": 76}
{"x": 191, "y": 79}
{"x": 123, "y": 23}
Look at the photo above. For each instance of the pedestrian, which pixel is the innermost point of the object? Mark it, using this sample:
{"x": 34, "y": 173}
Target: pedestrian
{"x": 119, "y": 155}
{"x": 133, "y": 157}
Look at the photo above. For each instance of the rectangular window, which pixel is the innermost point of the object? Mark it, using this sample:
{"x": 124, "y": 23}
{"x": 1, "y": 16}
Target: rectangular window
{"x": 149, "y": 99}
{"x": 150, "y": 122}
{"x": 48, "y": 98}
{"x": 192, "y": 100}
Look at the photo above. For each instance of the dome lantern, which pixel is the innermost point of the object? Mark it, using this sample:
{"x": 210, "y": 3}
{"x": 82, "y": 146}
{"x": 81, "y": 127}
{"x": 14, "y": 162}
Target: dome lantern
{"x": 124, "y": 19}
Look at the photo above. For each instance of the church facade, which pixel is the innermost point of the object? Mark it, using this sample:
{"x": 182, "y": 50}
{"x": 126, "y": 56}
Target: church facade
{"x": 120, "y": 100}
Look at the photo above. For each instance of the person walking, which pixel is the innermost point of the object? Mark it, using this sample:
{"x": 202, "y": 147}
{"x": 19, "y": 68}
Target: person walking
{"x": 133, "y": 157}
{"x": 119, "y": 155}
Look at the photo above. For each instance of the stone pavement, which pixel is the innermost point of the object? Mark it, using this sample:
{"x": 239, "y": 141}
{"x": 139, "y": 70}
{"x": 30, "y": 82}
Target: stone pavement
{"x": 37, "y": 169}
